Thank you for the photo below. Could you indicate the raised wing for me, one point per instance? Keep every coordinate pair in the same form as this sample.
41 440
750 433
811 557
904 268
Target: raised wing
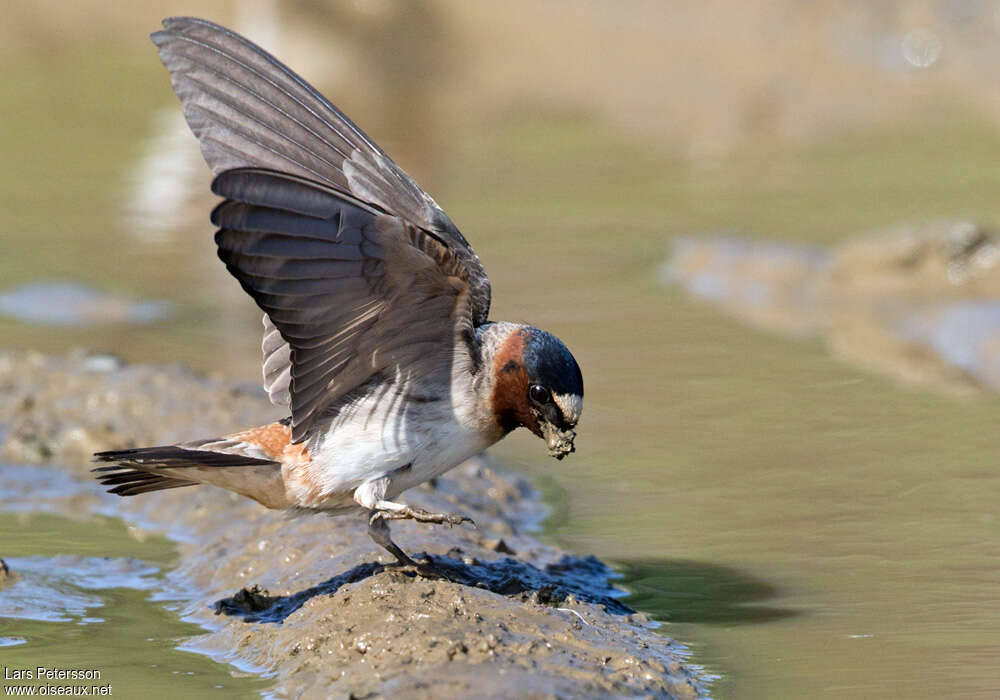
354 293
299 154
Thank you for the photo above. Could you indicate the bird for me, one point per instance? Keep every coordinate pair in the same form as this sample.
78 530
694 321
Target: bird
377 339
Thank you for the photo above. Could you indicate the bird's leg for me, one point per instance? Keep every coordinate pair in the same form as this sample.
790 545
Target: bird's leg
368 496
371 496
378 528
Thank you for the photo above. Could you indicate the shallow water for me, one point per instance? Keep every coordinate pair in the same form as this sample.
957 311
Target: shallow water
84 596
812 528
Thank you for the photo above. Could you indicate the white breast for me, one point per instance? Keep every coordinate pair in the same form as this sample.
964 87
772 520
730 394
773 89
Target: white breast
410 441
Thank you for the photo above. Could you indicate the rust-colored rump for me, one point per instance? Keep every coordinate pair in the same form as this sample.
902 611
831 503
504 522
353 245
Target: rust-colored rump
275 440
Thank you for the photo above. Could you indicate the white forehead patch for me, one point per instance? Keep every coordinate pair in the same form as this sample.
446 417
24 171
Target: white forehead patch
571 406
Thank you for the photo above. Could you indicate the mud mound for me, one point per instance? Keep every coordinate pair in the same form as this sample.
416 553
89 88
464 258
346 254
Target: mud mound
311 599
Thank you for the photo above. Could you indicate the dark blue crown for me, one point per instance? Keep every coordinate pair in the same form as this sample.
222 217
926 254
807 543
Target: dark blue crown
551 364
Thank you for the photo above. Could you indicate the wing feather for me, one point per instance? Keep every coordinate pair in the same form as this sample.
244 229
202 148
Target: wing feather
397 311
359 272
249 110
277 364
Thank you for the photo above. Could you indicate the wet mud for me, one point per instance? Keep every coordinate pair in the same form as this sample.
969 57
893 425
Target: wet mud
311 600
920 304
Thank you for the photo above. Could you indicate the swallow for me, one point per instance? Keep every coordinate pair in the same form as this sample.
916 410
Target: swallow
376 333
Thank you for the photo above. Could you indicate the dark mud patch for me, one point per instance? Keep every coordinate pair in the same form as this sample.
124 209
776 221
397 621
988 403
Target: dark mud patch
312 601
255 604
566 582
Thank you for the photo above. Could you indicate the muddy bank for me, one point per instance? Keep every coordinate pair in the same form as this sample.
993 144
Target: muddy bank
918 303
308 599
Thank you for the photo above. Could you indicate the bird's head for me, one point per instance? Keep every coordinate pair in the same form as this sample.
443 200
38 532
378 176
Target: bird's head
537 384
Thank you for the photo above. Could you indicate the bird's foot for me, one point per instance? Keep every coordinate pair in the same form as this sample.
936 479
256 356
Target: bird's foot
426 569
378 528
403 512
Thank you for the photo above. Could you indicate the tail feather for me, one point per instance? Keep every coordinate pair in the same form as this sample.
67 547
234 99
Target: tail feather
145 469
174 456
137 486
129 482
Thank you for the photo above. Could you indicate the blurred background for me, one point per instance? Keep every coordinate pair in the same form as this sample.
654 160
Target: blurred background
764 229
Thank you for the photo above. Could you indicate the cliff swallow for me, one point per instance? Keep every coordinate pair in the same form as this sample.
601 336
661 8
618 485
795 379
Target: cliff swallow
376 330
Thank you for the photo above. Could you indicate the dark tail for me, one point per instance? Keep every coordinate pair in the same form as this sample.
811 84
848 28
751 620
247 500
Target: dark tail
155 468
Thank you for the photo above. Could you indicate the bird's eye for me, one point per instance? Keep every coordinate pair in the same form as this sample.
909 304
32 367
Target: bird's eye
538 394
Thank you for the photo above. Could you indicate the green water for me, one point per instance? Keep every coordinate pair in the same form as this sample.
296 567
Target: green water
810 529
113 627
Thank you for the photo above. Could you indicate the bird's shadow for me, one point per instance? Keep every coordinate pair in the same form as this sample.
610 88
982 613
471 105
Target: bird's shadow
668 589
586 579
676 590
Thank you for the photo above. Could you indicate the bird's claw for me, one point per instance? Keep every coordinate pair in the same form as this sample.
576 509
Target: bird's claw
422 516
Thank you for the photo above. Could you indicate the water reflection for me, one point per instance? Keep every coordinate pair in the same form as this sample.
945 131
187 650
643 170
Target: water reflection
63 303
698 592
65 588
